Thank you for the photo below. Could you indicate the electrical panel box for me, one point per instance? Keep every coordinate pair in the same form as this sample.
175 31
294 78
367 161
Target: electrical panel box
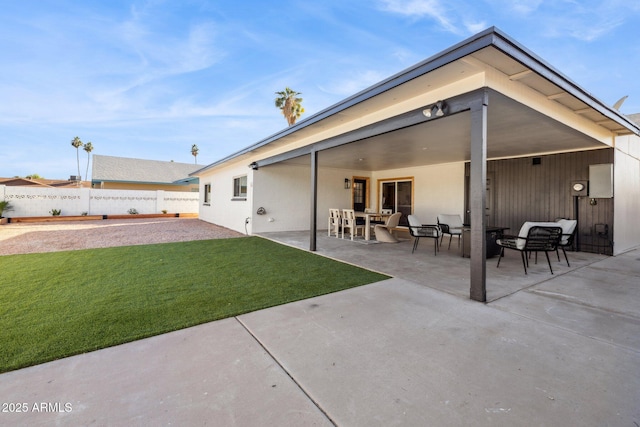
601 181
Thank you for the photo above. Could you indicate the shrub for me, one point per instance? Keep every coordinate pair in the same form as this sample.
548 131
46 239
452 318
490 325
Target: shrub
5 206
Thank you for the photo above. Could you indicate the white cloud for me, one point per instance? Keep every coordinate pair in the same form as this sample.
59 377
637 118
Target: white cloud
475 27
353 84
434 9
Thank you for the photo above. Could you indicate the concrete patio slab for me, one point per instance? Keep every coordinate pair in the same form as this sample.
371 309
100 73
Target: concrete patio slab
447 271
398 353
212 374
599 300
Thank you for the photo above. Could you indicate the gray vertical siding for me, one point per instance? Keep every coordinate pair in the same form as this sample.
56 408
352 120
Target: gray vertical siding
526 192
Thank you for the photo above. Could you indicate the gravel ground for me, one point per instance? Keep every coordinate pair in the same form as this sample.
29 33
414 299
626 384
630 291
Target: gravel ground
24 238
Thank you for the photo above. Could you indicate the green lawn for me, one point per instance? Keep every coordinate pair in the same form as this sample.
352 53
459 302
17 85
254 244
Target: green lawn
58 304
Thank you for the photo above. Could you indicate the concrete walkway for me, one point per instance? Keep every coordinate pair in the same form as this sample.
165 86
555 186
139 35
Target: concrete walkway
563 352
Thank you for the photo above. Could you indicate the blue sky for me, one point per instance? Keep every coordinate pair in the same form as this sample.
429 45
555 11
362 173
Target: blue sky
147 79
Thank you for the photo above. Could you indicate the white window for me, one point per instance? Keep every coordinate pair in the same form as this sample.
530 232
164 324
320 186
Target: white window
207 194
240 188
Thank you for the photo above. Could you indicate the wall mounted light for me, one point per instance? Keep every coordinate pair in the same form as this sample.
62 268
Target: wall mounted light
438 109
254 166
347 183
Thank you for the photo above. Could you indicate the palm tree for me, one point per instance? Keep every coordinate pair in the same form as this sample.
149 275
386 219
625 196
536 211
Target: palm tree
77 144
194 153
88 147
290 105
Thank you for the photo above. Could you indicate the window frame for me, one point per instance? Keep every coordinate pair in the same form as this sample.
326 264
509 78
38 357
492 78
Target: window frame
207 195
237 187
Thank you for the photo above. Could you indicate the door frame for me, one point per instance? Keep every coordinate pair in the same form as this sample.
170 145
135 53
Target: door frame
367 195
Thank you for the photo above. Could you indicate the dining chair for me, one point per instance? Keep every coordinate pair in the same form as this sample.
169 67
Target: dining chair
384 233
335 222
349 221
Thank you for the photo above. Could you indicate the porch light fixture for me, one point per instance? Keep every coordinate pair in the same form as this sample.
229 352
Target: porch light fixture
347 183
254 166
438 109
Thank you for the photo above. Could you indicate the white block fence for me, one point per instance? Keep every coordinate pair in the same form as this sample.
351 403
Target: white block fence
27 201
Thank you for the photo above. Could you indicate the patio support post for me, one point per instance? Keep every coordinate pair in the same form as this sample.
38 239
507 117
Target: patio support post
314 201
477 202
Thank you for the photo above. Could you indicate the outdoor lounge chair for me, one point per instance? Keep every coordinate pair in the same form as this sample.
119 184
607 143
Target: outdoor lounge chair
568 234
451 225
418 230
533 237
384 232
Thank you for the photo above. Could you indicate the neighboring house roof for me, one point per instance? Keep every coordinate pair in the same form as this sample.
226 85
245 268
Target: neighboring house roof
124 169
28 182
491 52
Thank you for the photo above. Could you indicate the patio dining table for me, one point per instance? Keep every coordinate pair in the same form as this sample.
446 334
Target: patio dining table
367 225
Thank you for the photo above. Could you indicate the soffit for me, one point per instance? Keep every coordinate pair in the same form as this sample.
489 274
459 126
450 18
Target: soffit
516 71
447 140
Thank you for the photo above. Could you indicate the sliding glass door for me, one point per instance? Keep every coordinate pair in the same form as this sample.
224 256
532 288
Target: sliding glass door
397 195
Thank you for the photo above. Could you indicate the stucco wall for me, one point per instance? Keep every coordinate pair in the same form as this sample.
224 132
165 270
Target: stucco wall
223 209
285 193
438 189
28 201
283 190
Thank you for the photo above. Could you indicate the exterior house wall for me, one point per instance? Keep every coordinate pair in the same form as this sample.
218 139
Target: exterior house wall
38 201
626 193
523 191
285 193
437 189
223 209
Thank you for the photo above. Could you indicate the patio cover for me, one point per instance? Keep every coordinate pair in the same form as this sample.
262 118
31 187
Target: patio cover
501 101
